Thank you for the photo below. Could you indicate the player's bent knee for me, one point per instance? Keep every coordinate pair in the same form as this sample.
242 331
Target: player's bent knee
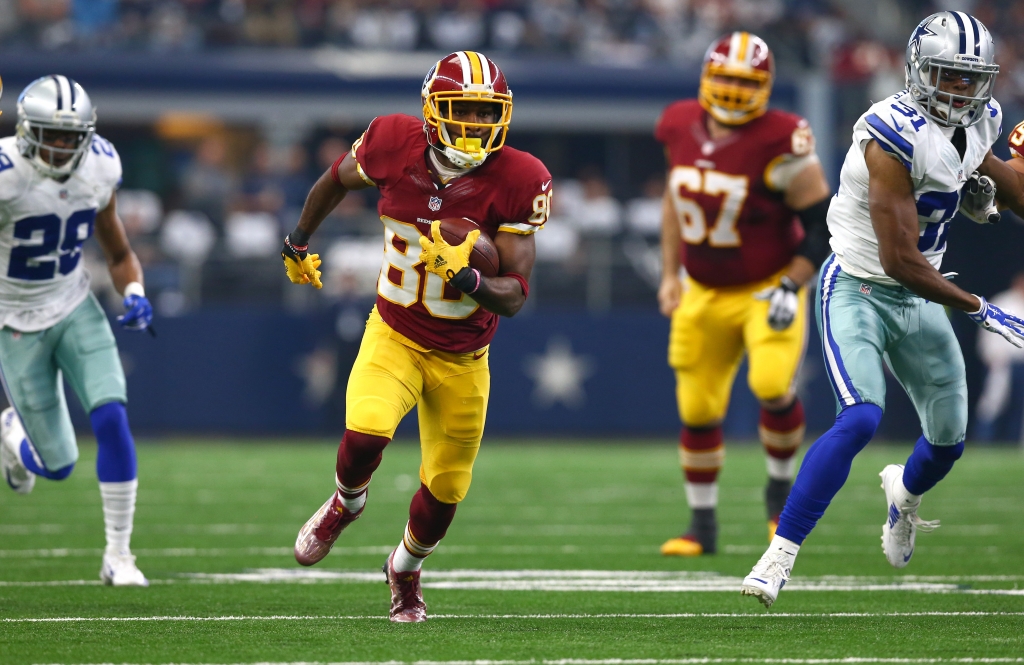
860 420
945 422
372 415
449 486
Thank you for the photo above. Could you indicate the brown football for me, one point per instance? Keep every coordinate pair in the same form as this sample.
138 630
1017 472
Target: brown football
485 255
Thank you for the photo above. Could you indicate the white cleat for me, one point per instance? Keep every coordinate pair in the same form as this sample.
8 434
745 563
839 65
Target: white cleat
120 570
769 575
902 523
12 434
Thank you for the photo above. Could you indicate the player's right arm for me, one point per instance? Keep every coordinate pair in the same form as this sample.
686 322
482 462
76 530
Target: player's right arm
894 219
671 289
329 190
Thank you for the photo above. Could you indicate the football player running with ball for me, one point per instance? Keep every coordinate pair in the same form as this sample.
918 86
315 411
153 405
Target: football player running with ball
744 213
881 296
57 183
426 340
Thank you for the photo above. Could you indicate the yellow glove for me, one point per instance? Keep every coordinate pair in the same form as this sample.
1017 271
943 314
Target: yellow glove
443 259
303 271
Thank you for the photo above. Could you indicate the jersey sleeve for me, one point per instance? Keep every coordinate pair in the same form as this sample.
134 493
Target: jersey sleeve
1016 140
791 152
381 150
530 203
108 168
10 182
664 129
893 129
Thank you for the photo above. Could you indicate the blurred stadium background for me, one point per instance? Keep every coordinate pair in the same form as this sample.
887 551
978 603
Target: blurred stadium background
226 111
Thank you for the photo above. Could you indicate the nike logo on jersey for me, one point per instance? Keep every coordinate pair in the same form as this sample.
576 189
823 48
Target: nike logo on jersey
478 356
899 128
545 186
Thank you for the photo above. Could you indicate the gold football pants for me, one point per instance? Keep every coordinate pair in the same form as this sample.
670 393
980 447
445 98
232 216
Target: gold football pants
711 328
392 374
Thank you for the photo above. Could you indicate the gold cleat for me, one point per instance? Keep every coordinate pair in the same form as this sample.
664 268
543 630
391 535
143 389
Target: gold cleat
773 525
681 546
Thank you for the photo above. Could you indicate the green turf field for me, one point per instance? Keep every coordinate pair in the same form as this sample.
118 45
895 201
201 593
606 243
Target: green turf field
216 523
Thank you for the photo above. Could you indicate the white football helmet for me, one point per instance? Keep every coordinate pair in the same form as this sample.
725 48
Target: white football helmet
54 103
957 44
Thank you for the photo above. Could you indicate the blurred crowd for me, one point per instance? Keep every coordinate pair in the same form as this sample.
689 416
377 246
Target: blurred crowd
862 42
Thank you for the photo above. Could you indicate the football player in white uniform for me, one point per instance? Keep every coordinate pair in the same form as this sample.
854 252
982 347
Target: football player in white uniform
881 296
57 183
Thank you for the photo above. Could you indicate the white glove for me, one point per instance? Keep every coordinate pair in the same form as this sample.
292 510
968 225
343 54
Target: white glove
995 320
978 200
783 302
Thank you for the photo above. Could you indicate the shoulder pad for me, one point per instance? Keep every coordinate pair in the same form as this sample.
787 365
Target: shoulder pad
105 162
12 169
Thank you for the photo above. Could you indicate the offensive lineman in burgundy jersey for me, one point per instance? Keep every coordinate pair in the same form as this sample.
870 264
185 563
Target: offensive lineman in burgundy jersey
426 339
744 214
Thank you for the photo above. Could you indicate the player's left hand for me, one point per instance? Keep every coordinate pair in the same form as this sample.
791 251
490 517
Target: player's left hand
995 320
301 268
783 303
443 259
978 201
138 314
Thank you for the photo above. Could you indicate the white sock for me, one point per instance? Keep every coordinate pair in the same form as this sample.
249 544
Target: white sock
787 546
781 469
904 499
353 504
404 561
118 514
701 495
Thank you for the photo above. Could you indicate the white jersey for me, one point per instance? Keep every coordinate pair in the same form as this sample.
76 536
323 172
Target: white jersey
43 224
938 173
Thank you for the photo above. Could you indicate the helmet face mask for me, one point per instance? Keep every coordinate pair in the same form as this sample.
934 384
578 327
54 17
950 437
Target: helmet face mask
951 68
736 81
56 123
453 94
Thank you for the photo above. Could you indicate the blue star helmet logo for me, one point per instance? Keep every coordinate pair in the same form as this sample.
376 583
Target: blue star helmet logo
922 30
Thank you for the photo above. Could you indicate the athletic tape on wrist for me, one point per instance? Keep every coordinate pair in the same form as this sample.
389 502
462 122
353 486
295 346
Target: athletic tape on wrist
134 289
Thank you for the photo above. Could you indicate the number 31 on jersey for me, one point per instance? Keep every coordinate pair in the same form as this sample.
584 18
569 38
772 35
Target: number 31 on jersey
686 181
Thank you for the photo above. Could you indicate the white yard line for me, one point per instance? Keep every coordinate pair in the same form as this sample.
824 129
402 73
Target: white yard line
492 617
624 581
659 661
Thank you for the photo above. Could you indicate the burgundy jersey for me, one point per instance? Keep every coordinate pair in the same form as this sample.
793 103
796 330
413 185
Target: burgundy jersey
510 192
728 193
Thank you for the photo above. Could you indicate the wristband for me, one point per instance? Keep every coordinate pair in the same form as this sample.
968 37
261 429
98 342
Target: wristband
299 239
134 289
466 280
522 282
788 284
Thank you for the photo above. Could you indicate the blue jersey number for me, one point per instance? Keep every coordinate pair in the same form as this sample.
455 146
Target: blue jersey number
910 112
934 236
77 230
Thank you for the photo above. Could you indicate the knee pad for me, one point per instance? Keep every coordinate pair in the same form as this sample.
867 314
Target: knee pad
449 486
115 457
372 415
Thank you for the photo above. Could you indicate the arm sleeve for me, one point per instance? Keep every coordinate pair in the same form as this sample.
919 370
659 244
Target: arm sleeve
815 246
382 148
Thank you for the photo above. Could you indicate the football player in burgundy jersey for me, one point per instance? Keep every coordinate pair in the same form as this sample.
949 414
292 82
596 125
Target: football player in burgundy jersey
744 214
426 339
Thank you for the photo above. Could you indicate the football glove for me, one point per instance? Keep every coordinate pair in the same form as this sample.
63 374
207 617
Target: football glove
443 259
300 266
978 201
783 302
138 313
995 320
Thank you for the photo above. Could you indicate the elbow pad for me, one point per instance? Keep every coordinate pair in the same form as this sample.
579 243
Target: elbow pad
815 246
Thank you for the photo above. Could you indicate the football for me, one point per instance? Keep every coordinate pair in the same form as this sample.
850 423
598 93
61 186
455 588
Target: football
485 255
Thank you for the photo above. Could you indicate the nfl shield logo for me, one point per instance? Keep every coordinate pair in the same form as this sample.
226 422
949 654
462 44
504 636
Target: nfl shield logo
434 203
865 289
